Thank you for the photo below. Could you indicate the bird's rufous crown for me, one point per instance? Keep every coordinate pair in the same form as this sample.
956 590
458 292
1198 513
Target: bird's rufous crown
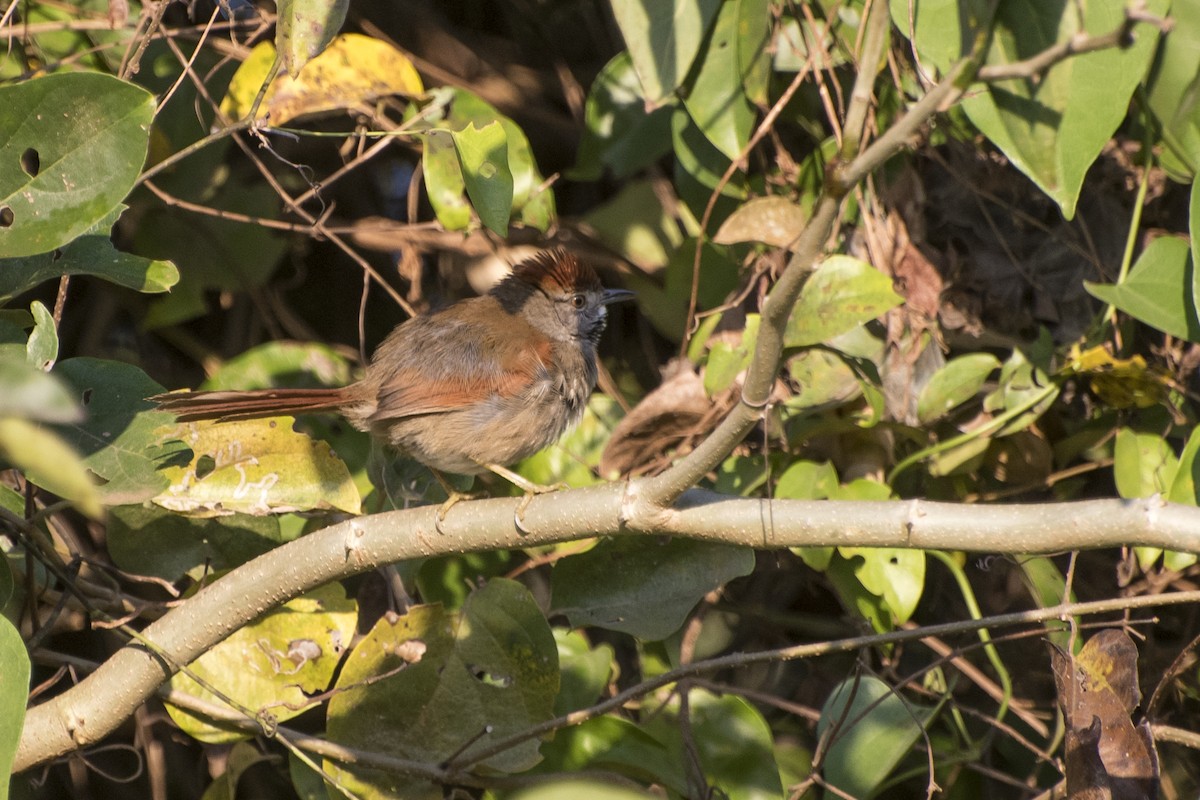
556 271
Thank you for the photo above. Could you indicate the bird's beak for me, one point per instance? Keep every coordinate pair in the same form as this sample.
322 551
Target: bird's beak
611 296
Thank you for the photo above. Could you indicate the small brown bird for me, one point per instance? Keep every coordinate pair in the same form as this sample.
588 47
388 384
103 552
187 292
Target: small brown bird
475 386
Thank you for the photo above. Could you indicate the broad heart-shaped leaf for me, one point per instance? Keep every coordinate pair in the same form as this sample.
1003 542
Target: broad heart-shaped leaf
352 71
716 100
1054 126
896 575
303 29
841 294
1143 464
663 37
256 466
872 729
146 540
71 147
273 663
483 157
643 588
14 695
118 438
579 788
425 685
49 462
954 384
619 132
1159 289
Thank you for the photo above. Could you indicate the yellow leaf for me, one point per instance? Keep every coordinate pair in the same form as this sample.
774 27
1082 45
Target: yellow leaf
351 72
259 466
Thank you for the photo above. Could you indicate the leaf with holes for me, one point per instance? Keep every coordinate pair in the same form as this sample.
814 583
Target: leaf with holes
271 665
71 148
119 437
430 685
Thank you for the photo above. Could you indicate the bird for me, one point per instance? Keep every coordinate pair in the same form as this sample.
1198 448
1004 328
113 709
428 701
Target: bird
475 386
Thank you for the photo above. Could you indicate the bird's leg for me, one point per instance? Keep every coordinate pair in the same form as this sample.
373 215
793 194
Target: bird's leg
530 488
453 496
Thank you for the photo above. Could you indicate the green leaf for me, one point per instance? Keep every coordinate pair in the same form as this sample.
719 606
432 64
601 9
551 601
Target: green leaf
32 394
255 466
807 480
716 101
444 181
91 254
701 160
71 148
753 51
1054 126
1174 94
14 695
1143 464
954 384
585 671
823 378
663 37
619 132
616 745
1185 480
942 30
643 588
273 664
728 359
304 28
896 575
841 294
424 685
483 156
873 729
731 740
145 540
49 462
1159 289
276 364
119 438
583 789
42 347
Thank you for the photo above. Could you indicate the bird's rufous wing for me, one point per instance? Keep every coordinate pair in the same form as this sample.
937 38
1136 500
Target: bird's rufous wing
487 360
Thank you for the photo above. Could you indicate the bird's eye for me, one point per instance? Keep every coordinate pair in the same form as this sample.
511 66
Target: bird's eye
578 300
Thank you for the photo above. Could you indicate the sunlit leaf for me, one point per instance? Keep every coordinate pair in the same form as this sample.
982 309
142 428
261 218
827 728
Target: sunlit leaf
49 462
257 466
663 37
14 696
1159 290
353 71
483 157
73 145
423 685
841 294
273 664
1054 125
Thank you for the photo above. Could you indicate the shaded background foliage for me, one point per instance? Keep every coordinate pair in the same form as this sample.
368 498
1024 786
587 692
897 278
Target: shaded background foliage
1000 377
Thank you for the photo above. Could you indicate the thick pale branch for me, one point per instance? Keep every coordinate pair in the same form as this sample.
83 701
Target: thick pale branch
96 706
